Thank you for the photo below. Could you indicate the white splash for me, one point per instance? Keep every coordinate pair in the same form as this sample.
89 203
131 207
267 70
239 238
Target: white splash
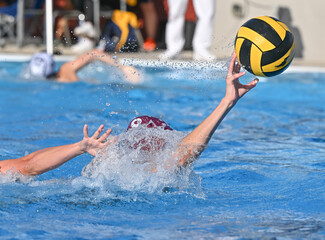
13 176
141 160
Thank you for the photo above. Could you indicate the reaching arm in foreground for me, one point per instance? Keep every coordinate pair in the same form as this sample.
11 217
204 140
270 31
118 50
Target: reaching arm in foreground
49 158
195 142
68 71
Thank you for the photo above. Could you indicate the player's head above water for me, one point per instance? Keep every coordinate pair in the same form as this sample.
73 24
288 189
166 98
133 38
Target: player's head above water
41 65
149 122
149 143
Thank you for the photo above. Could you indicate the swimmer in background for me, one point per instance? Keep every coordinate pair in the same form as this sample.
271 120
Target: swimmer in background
187 151
42 65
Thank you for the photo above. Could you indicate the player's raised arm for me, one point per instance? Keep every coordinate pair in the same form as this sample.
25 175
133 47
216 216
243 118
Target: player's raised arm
195 142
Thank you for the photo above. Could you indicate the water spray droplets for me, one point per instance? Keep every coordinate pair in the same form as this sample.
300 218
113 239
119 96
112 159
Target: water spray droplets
137 161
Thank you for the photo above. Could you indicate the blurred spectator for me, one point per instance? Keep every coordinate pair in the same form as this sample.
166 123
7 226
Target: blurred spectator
62 5
204 10
78 5
120 33
105 5
150 24
86 34
7 21
4 3
64 26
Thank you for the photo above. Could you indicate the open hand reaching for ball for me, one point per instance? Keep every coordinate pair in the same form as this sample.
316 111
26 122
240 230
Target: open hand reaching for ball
235 90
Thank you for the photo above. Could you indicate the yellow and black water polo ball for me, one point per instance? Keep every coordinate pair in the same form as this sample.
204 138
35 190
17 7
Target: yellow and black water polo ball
264 46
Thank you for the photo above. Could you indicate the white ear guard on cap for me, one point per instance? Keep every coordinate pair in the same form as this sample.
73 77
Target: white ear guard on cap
41 65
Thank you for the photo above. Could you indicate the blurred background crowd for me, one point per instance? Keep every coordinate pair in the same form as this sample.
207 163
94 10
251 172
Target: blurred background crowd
207 27
112 25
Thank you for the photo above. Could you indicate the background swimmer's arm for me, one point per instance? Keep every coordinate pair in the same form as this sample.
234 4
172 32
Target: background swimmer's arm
50 158
194 143
69 69
89 57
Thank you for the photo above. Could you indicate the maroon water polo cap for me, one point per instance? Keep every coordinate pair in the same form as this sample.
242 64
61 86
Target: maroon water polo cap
149 122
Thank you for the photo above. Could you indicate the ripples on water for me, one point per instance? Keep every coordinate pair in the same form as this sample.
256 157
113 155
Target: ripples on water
261 177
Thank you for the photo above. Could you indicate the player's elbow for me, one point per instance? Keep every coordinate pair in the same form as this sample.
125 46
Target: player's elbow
189 154
27 166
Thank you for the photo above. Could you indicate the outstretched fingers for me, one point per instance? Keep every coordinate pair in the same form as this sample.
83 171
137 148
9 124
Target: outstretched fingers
232 64
238 75
251 84
245 88
234 68
237 67
85 131
96 142
98 131
105 135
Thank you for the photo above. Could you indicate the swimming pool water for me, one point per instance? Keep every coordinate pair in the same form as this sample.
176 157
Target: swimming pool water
262 176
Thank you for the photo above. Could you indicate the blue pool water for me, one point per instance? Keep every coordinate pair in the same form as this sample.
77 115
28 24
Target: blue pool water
261 177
